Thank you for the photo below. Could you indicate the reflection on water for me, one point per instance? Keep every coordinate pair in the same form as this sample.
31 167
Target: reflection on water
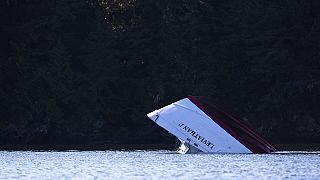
157 165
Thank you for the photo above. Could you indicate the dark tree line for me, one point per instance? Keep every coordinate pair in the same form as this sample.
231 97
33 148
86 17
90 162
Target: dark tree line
88 71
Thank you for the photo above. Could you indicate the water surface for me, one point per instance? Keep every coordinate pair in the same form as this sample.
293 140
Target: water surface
157 165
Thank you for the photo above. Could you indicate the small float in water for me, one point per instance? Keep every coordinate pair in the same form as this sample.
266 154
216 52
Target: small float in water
203 127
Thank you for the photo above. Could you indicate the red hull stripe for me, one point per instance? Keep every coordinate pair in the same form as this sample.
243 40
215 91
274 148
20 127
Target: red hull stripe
249 138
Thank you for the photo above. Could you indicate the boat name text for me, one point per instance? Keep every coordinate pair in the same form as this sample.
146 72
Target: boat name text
196 135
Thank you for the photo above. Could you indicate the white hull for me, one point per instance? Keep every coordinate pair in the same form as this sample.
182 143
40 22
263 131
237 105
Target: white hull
194 128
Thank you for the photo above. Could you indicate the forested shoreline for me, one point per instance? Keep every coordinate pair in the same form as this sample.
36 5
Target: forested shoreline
88 71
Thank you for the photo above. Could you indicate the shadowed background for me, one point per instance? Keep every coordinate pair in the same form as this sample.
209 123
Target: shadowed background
88 71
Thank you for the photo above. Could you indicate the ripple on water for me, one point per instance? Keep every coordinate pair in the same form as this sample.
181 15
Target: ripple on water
143 164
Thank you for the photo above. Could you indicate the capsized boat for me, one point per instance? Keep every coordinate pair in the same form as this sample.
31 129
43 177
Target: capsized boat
203 127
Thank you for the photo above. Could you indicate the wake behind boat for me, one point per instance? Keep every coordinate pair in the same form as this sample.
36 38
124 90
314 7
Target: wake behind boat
203 127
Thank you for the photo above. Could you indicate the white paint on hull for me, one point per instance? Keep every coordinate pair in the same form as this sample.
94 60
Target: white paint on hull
190 124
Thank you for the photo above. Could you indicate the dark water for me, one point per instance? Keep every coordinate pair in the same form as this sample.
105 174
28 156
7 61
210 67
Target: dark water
157 165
